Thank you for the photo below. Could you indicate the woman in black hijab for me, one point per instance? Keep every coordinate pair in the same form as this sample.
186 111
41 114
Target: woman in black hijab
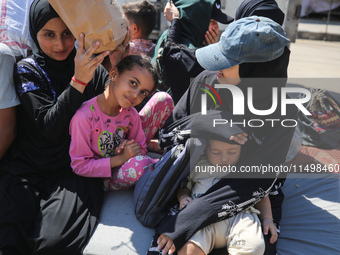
44 207
264 8
203 211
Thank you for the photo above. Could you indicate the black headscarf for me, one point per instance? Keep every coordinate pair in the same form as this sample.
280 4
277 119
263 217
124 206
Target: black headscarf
262 77
265 8
276 68
274 71
60 72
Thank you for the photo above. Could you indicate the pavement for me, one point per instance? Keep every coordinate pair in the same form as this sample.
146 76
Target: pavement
315 57
315 64
319 29
316 52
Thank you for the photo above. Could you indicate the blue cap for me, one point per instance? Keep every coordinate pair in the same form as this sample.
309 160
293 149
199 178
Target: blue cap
247 40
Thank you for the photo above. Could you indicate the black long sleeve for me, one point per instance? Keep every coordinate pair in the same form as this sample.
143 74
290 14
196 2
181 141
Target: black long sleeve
179 63
50 112
174 32
44 116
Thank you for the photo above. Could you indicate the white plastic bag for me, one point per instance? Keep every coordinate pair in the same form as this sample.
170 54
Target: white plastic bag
14 25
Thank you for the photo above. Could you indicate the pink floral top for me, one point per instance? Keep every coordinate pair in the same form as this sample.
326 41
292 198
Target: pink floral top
95 137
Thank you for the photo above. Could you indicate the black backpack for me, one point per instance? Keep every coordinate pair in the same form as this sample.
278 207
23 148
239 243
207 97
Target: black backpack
155 192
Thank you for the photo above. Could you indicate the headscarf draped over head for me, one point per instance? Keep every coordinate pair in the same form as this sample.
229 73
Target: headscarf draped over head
273 69
265 8
268 74
195 18
40 13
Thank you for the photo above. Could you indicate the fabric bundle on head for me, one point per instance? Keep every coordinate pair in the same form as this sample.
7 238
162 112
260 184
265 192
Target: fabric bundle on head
247 40
40 13
275 69
265 8
194 17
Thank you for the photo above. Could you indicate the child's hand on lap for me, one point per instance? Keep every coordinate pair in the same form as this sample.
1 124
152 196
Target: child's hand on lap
121 147
268 225
129 149
164 242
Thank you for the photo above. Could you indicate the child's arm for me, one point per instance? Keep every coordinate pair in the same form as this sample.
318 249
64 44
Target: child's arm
164 242
183 197
266 217
83 160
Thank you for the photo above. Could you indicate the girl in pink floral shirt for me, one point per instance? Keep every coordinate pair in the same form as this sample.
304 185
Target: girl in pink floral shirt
107 136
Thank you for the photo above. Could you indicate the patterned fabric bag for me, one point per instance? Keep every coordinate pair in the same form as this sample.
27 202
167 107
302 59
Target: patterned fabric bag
322 128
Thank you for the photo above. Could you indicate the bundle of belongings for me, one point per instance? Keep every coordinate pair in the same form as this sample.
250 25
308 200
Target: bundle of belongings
321 129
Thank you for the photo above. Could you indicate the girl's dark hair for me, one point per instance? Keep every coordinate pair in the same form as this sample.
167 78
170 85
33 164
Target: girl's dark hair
142 61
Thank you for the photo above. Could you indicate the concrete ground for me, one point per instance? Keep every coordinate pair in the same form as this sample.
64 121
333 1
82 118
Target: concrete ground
315 56
319 29
315 64
314 59
119 232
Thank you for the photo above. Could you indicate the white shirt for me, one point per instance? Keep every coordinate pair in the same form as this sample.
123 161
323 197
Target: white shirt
8 96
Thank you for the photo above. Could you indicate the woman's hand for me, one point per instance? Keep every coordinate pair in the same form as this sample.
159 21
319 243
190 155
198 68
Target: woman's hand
84 64
239 138
164 242
171 12
211 36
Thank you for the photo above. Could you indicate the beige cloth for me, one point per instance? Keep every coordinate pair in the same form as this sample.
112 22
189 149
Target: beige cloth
241 234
